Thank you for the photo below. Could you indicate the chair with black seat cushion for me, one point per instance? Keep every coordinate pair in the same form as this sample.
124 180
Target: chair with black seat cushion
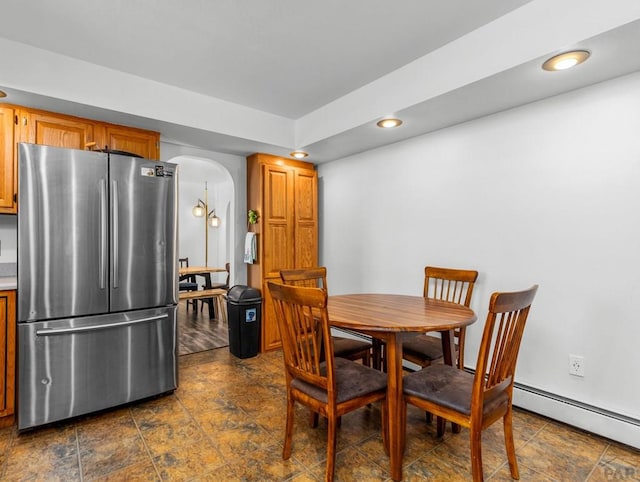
455 285
478 400
328 385
187 283
349 348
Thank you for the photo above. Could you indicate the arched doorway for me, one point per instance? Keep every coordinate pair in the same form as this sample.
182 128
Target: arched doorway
202 243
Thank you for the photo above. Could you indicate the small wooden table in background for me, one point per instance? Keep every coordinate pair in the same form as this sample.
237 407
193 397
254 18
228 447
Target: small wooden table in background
205 272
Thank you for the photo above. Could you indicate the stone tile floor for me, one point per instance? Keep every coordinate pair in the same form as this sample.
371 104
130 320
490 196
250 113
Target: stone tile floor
226 420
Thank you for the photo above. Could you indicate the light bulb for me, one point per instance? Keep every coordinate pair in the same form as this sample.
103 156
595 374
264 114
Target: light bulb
389 123
198 211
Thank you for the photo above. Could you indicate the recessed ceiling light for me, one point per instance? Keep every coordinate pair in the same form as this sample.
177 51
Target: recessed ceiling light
299 154
389 123
566 60
2 94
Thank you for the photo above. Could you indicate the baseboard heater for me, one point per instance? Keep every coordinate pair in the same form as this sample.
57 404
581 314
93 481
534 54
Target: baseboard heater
606 423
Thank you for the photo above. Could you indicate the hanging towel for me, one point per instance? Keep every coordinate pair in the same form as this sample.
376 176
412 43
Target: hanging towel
250 249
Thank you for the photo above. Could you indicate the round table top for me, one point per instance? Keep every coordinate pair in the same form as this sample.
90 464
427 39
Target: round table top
396 313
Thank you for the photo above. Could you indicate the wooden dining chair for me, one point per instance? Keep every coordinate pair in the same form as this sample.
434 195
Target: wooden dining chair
349 348
187 283
478 400
328 385
455 285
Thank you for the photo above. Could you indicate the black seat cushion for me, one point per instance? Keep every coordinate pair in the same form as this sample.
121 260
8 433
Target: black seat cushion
187 286
352 380
423 346
447 386
345 347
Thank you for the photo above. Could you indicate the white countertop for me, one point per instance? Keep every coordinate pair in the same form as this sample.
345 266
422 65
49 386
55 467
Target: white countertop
8 282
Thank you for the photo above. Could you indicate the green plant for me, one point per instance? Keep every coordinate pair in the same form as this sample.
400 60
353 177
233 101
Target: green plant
252 216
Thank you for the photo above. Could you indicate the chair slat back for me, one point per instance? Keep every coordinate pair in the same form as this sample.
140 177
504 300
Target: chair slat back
302 317
455 285
309 277
500 344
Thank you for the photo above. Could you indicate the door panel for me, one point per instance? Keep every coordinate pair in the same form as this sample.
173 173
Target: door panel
278 217
61 233
143 197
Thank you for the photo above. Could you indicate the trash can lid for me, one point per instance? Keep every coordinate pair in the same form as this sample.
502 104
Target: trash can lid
244 294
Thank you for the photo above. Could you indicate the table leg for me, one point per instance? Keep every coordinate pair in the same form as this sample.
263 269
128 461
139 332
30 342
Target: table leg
448 347
377 353
207 285
394 402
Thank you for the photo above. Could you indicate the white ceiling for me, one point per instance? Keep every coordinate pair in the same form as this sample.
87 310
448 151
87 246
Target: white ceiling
254 75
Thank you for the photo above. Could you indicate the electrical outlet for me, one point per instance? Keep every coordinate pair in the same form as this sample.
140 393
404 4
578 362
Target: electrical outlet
576 365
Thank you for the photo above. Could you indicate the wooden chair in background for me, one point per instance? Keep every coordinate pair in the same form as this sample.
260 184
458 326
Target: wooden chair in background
455 285
349 348
478 400
328 385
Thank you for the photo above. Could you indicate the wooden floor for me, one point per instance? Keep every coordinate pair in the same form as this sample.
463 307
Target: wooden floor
196 332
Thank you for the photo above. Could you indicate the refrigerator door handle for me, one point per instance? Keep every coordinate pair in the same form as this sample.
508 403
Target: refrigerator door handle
100 326
114 231
103 234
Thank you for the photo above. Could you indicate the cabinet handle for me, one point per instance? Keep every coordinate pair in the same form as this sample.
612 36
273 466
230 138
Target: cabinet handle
24 121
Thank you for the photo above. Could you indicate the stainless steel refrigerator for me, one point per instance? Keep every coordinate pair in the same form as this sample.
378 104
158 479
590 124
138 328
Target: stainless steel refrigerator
97 281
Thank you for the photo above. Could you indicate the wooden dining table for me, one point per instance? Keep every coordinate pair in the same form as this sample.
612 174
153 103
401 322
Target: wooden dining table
392 318
204 271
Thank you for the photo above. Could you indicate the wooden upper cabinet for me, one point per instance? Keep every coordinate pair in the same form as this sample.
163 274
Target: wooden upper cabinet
8 168
48 129
23 124
128 139
59 130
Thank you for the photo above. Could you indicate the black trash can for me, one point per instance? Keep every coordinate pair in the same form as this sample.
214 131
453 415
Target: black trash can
244 315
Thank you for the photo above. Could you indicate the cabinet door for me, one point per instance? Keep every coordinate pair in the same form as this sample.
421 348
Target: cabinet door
270 332
278 243
8 165
7 354
306 218
54 130
135 141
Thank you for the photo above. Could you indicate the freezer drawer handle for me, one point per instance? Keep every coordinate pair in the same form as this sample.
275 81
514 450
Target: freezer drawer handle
80 329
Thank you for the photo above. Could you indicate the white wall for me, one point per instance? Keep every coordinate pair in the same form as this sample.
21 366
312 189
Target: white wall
547 193
195 174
